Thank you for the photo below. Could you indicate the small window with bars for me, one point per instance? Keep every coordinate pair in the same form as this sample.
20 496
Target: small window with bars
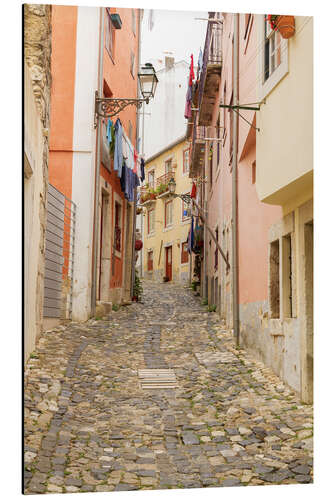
117 227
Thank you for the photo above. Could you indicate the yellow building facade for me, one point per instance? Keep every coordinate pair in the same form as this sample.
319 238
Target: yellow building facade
166 219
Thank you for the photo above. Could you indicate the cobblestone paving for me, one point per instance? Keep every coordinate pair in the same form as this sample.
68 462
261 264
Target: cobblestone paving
90 427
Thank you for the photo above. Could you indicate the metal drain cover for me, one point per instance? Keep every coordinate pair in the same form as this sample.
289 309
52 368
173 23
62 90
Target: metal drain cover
157 379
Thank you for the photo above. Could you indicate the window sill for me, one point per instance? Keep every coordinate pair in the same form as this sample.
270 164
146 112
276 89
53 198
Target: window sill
168 228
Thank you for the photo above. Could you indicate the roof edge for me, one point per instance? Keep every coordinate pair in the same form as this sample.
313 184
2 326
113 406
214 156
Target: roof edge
164 150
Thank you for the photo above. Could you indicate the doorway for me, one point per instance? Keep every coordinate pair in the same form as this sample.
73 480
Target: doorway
308 253
168 263
105 248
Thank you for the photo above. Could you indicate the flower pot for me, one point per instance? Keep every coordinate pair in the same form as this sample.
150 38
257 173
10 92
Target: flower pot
286 26
152 196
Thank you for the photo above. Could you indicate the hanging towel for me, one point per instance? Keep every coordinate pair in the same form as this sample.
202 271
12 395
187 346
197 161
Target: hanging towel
118 148
192 75
135 169
188 103
142 166
108 131
194 190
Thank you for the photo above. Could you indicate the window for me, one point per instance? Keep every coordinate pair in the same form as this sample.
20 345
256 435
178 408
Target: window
186 161
132 68
210 159
274 279
117 227
151 221
109 35
168 214
274 59
150 260
184 254
151 179
133 21
185 210
168 166
287 273
272 51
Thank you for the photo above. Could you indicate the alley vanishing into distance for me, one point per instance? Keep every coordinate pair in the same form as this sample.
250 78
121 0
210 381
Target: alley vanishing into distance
93 423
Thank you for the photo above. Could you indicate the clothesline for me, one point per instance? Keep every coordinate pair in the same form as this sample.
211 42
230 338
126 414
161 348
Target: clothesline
127 162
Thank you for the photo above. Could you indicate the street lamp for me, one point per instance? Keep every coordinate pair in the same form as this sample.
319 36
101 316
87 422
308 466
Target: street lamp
106 107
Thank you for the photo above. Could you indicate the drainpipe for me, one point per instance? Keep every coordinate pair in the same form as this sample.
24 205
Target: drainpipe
97 167
137 148
235 295
205 287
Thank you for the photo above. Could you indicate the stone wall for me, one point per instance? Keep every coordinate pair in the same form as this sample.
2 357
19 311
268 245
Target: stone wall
37 56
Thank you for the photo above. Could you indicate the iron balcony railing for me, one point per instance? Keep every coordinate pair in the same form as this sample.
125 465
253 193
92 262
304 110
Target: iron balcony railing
164 179
205 62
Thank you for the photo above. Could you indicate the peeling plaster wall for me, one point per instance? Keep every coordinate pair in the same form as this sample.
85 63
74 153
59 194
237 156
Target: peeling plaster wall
37 83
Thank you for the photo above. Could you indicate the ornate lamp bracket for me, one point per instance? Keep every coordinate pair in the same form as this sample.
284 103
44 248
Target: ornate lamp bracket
106 107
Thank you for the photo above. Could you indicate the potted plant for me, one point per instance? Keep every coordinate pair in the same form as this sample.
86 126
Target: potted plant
151 194
284 24
137 289
162 188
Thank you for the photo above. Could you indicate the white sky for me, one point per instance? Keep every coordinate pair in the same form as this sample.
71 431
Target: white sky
173 31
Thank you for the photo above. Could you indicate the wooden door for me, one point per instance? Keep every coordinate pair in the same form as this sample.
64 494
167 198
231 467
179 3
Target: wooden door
168 262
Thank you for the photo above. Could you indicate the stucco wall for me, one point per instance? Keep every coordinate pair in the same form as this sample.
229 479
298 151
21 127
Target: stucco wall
37 81
175 235
287 118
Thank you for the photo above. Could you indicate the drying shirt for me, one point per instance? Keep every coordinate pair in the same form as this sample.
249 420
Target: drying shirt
118 148
142 167
135 169
194 191
188 103
130 156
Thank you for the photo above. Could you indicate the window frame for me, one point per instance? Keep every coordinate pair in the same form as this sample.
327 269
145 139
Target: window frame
183 253
150 261
187 150
166 224
150 230
110 37
265 86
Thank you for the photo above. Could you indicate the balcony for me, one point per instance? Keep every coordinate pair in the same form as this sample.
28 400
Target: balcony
162 188
198 150
210 77
147 195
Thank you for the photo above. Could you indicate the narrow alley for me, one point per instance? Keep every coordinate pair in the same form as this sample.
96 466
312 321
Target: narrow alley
94 423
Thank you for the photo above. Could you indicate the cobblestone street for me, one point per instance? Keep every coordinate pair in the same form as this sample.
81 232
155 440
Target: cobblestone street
90 426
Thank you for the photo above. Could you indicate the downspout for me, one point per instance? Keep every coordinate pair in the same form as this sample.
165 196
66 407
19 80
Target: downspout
235 270
205 287
137 148
97 168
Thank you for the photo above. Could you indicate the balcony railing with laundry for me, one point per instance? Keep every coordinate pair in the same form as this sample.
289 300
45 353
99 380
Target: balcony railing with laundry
210 75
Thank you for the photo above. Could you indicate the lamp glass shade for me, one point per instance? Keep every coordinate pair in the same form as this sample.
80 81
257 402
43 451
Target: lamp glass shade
148 80
172 185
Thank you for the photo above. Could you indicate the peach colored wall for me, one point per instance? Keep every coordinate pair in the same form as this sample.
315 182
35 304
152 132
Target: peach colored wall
63 57
255 218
